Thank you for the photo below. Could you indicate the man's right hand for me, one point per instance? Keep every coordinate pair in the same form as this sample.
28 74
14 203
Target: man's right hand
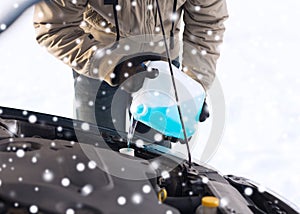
130 75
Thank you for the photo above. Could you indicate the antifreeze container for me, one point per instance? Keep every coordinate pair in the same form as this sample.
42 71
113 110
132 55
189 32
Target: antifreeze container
155 104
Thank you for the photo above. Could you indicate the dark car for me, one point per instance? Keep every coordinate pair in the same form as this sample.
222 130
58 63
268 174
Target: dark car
52 164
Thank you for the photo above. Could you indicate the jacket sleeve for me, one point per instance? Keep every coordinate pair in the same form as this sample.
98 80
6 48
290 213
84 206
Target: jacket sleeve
59 28
203 33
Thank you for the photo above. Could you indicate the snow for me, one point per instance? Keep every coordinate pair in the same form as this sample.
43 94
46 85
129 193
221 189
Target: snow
258 70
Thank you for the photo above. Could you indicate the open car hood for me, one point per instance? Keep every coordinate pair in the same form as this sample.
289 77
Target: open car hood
46 166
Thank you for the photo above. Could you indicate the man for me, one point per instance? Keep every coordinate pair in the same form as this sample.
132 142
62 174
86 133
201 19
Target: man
83 34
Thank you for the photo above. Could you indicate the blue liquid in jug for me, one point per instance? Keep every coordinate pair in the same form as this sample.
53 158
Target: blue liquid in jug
166 120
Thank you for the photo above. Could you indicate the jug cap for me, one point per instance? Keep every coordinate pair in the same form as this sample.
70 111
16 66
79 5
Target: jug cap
210 201
140 110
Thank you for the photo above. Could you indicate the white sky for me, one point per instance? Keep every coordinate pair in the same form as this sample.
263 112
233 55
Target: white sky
258 70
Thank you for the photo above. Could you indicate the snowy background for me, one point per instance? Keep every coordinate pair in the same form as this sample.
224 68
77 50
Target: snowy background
258 71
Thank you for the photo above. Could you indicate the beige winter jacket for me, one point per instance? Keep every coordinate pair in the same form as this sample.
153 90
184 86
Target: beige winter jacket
72 30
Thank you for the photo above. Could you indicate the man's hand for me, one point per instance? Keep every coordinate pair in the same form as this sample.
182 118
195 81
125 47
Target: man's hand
130 75
204 113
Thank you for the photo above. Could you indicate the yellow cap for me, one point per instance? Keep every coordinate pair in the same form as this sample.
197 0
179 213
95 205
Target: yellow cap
210 201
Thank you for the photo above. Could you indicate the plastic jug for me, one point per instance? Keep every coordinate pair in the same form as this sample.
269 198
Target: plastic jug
155 104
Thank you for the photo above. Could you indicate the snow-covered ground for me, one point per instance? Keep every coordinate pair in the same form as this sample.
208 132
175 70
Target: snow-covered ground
257 70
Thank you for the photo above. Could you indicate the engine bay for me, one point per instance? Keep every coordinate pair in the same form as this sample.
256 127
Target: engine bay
54 165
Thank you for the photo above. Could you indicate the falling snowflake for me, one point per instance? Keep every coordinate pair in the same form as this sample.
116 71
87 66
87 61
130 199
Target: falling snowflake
174 16
48 176
34 159
32 119
146 189
126 47
74 1
36 189
103 23
194 51
209 32
65 182
65 60
205 180
85 126
203 52
248 191
156 93
20 179
86 190
121 200
158 137
90 103
1 111
217 37
20 153
33 209
197 8
3 26
15 5
40 14
107 30
112 75
54 119
200 76
83 24
80 167
139 143
108 51
92 164
137 198
59 129
133 3
95 70
48 25
74 64
78 41
150 7
70 211
154 164
224 202
165 174
118 7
